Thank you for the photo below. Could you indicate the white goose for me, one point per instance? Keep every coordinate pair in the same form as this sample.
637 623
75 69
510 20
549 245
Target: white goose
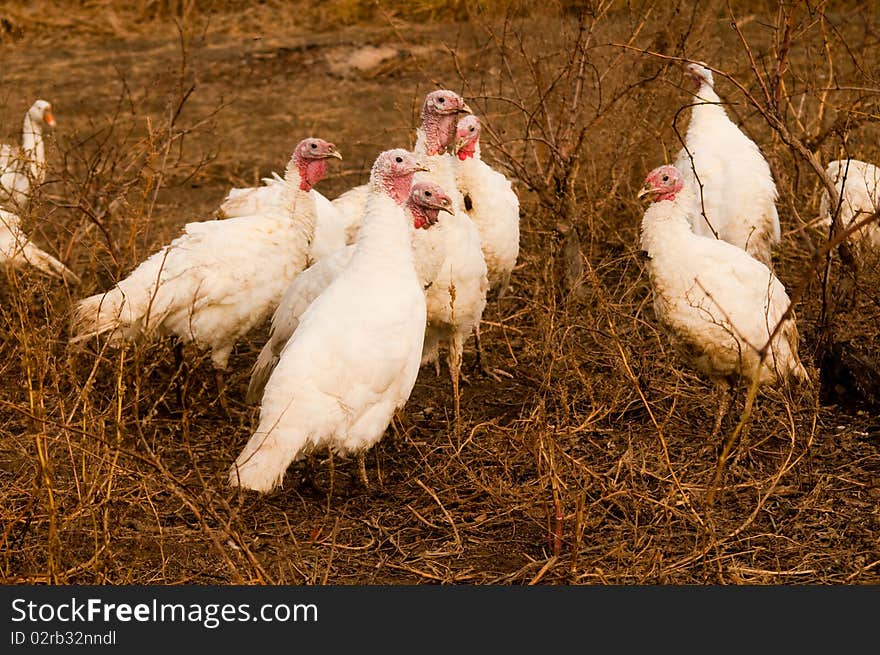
22 168
16 250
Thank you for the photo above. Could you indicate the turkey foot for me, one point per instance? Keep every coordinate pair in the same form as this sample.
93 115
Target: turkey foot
478 365
220 379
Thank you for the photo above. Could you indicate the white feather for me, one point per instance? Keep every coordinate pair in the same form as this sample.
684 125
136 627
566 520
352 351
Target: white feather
738 191
17 250
858 189
22 168
329 231
719 304
352 361
494 209
212 284
350 206
451 263
299 294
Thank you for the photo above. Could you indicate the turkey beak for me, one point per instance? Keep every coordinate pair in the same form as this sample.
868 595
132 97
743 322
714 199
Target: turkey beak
464 109
48 118
645 190
333 152
446 206
421 168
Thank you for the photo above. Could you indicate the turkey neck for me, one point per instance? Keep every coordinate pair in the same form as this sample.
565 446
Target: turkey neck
665 227
294 193
705 111
385 239
442 171
470 151
32 144
299 202
471 171
421 147
435 135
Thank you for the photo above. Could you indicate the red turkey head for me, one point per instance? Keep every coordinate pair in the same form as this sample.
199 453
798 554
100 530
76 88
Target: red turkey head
467 137
311 157
426 201
439 112
662 184
393 172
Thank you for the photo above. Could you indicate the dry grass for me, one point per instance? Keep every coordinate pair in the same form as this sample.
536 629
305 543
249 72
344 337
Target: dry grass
591 465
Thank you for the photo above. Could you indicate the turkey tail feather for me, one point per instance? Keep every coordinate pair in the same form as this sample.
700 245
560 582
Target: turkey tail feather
260 374
97 314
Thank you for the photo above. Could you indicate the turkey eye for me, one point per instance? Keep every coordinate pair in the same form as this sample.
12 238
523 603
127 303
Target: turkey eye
314 145
427 194
665 178
399 160
441 100
472 128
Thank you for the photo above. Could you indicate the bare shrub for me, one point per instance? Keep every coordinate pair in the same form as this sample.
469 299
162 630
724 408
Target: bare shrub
578 112
590 465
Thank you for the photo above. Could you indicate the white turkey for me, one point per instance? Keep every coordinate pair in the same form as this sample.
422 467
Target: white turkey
719 304
435 136
219 279
299 294
858 188
22 168
491 203
354 357
738 201
449 259
330 228
16 250
308 285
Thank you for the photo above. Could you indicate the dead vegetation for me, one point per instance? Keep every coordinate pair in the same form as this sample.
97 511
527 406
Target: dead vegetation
592 465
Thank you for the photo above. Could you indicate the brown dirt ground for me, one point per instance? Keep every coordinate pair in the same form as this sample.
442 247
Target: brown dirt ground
558 475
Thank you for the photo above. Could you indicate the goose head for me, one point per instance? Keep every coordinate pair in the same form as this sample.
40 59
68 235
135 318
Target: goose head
41 113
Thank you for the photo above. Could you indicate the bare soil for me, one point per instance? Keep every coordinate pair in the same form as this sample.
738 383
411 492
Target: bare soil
589 464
